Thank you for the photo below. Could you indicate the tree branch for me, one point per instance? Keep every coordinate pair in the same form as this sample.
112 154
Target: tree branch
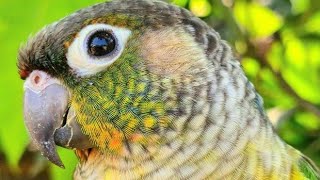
260 50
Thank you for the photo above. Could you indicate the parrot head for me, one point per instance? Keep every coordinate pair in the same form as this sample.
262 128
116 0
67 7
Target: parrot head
116 74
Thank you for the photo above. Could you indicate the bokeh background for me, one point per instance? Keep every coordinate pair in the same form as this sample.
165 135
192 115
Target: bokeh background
277 41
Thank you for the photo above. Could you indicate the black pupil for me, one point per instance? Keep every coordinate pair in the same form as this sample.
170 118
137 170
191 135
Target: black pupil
101 43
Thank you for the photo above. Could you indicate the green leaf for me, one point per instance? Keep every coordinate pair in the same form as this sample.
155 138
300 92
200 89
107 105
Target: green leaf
181 3
308 121
13 136
302 84
200 8
251 66
313 24
69 160
301 57
241 46
299 6
295 53
257 20
314 54
275 56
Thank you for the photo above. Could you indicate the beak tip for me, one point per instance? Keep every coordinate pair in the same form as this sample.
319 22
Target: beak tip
48 150
55 159
59 163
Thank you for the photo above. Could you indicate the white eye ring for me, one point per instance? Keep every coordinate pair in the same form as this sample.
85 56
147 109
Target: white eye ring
83 63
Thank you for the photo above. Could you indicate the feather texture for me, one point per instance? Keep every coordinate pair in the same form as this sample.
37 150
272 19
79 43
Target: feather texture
175 105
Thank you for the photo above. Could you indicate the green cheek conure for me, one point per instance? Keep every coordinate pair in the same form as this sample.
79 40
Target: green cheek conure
145 90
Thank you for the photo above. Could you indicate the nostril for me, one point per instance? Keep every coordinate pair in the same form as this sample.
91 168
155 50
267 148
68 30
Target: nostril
39 80
36 79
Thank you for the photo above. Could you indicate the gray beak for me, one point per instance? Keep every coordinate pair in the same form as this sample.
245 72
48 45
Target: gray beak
45 108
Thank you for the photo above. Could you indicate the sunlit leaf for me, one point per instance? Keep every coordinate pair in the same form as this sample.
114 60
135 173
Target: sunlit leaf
298 64
200 8
313 24
314 54
299 6
275 56
308 120
302 84
257 20
251 66
181 3
295 53
241 47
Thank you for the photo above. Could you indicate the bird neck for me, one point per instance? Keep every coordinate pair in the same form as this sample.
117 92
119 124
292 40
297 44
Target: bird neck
220 129
218 150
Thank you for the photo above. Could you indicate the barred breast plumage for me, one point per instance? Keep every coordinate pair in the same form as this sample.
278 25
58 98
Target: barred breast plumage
175 105
218 128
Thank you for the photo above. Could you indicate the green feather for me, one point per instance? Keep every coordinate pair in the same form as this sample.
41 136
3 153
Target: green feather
309 169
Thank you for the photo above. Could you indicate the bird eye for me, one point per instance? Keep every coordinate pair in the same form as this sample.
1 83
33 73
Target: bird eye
101 43
96 47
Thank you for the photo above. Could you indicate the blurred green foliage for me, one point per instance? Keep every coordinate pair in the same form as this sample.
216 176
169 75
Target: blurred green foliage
277 41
